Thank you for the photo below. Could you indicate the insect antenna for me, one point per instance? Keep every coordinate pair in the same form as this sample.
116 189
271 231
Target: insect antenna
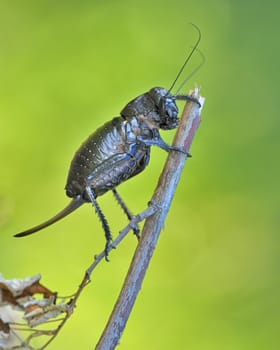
192 73
188 58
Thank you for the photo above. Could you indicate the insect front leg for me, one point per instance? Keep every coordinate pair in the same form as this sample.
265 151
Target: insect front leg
127 212
103 220
156 140
188 98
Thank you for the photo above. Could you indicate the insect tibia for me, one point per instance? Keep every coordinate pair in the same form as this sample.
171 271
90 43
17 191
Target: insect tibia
103 220
187 98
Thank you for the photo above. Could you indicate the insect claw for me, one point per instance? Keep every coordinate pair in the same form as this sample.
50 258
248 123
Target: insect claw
154 205
195 100
107 255
107 249
136 231
186 153
179 149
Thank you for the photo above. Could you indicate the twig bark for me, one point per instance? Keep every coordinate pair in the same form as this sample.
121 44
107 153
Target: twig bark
162 199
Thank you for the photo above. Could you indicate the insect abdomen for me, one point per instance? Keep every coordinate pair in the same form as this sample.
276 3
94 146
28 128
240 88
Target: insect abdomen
102 161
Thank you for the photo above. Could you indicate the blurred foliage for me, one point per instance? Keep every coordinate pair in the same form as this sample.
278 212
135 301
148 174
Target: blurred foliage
66 67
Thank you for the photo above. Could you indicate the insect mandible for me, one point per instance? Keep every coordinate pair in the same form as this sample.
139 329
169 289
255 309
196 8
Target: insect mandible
119 150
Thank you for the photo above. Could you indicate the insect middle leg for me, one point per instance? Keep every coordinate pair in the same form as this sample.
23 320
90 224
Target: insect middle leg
156 140
103 220
127 212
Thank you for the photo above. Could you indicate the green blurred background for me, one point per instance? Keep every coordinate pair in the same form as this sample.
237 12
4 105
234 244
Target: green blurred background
66 67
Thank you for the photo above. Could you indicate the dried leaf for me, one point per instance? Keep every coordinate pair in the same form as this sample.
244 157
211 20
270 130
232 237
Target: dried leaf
4 327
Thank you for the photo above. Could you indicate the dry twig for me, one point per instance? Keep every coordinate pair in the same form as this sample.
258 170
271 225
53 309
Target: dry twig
162 199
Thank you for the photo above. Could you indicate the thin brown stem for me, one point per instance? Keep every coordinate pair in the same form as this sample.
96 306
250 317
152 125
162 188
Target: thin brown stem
162 198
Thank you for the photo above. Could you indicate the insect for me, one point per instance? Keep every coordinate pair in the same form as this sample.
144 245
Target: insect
119 150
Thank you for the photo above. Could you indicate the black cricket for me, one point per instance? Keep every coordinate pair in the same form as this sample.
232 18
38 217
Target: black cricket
119 150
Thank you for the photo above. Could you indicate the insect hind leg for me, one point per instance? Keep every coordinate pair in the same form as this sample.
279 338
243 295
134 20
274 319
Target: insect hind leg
127 212
103 220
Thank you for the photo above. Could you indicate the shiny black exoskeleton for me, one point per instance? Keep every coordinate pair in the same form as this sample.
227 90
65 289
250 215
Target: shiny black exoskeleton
117 151
120 149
